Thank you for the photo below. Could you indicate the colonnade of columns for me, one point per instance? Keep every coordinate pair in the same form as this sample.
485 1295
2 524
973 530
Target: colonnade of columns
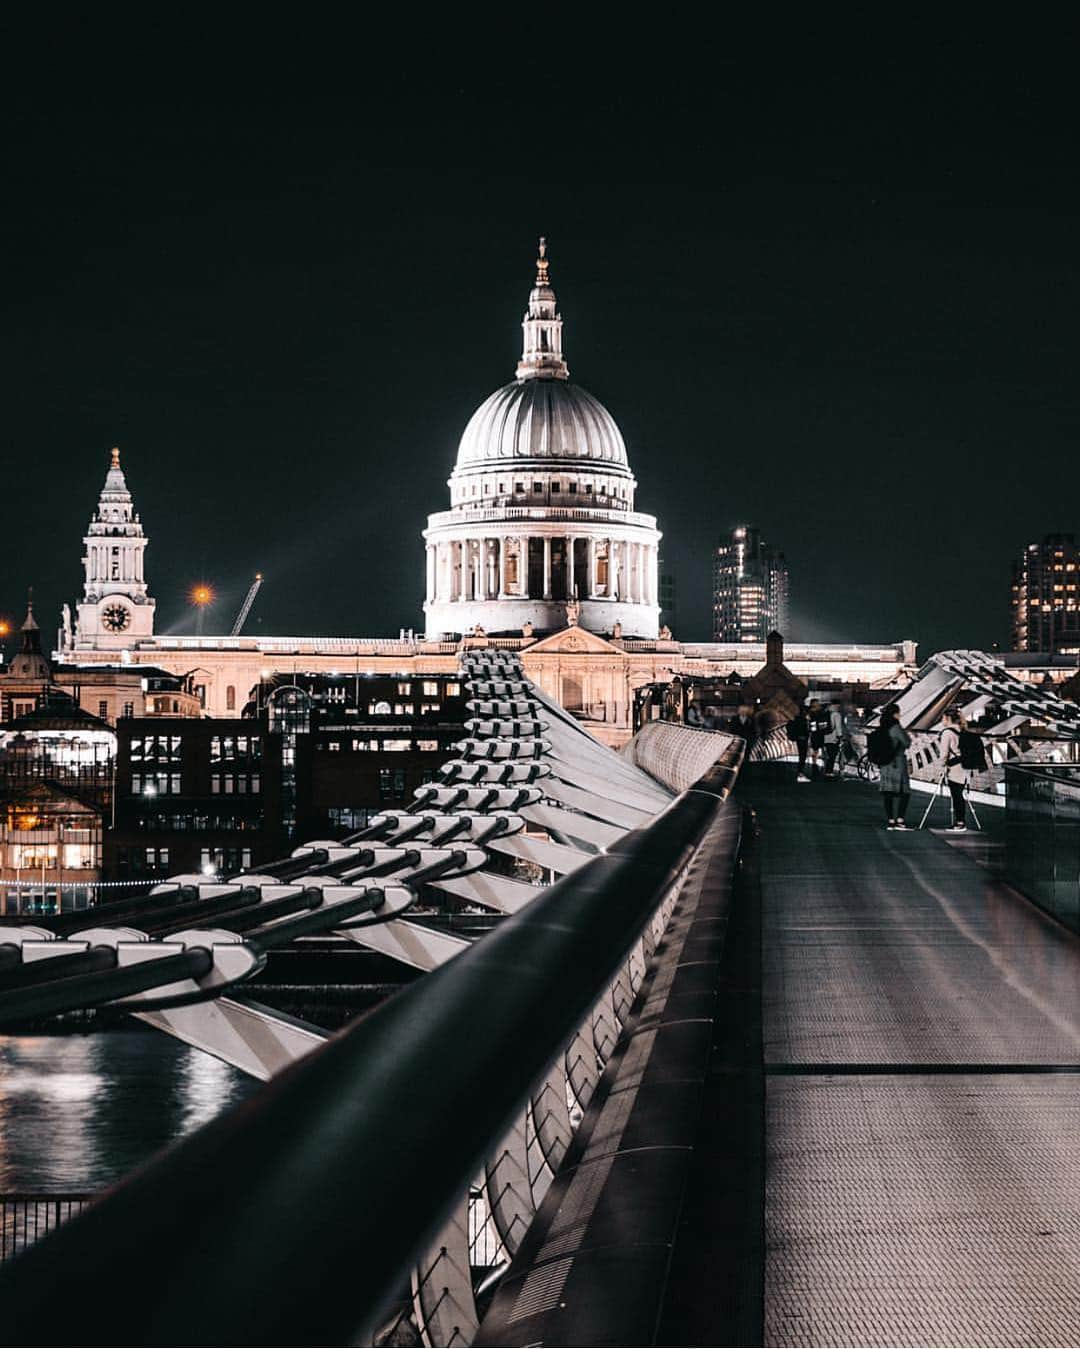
129 561
497 567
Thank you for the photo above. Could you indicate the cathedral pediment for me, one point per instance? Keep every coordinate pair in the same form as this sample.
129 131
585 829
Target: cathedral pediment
573 641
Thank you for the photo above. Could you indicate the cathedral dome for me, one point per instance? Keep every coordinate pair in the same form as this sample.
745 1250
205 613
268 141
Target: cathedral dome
541 419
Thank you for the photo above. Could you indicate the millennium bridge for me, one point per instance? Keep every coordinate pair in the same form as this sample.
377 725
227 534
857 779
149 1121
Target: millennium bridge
733 1065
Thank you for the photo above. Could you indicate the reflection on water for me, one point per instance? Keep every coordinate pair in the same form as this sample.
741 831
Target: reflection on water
79 1111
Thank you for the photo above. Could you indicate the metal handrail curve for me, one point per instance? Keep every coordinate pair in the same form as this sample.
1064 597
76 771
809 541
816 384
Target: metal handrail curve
295 1217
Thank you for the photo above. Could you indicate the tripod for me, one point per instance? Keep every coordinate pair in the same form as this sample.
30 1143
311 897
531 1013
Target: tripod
938 790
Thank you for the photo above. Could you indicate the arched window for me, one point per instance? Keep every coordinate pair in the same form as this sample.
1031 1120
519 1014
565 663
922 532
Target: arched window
230 698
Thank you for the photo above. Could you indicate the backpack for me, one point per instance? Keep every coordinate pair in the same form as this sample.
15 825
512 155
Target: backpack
881 747
972 754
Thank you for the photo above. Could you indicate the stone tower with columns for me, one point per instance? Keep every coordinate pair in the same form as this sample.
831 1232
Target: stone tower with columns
115 609
541 525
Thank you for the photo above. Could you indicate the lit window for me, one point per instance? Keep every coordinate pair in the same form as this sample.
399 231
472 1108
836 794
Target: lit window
431 688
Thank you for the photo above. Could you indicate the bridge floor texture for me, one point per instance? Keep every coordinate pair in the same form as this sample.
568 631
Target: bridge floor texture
922 1058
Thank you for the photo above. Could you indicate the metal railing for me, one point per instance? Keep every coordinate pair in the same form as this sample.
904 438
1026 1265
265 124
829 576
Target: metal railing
26 1218
1042 836
301 1216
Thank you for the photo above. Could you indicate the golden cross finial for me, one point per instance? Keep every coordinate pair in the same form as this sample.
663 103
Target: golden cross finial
115 457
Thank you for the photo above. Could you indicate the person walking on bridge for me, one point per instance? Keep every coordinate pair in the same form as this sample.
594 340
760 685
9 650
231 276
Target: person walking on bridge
818 717
834 738
744 726
798 729
895 782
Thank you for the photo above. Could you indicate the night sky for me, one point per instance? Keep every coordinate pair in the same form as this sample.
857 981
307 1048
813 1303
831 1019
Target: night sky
831 290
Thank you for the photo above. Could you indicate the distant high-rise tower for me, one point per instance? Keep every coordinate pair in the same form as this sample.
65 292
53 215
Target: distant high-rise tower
750 588
1046 596
669 598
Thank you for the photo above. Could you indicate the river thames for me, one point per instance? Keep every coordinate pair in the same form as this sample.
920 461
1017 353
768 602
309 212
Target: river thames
77 1112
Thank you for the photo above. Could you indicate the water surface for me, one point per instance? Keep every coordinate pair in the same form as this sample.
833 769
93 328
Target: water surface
77 1112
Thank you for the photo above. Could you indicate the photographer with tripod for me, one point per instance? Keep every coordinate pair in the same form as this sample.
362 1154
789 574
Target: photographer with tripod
962 754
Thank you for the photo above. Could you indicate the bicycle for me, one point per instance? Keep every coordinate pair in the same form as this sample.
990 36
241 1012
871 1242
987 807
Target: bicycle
847 757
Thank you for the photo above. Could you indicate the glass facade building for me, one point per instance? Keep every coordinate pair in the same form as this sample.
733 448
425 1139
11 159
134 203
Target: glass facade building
750 588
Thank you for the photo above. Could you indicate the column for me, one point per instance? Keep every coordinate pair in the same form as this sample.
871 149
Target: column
502 566
430 573
476 554
612 568
569 567
547 568
642 597
591 570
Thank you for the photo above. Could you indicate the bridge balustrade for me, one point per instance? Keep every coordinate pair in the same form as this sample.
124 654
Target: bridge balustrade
390 1175
1042 832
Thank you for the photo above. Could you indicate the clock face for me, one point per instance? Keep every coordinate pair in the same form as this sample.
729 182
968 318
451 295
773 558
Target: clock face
115 617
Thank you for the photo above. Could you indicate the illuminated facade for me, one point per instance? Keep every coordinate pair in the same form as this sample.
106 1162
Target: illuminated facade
541 551
542 530
750 588
1046 597
56 782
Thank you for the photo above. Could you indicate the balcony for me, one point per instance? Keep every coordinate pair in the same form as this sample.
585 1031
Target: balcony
468 515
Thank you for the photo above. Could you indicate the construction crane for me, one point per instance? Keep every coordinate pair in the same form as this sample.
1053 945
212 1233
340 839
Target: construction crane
245 608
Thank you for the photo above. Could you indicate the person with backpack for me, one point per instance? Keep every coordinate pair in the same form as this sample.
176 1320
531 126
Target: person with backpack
798 729
887 747
962 754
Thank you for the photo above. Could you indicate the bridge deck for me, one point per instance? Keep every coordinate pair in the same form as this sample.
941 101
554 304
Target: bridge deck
922 1052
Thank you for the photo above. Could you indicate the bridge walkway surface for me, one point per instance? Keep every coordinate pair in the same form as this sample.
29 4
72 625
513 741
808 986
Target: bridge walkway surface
921 1038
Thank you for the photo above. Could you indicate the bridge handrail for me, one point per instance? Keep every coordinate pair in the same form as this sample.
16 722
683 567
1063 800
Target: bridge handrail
295 1217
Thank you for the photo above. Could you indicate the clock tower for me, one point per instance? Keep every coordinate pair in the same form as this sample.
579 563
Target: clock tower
115 609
